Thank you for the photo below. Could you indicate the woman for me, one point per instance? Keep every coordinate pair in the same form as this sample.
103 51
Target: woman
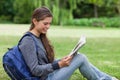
43 64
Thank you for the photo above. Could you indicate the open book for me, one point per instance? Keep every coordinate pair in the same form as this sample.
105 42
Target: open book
80 44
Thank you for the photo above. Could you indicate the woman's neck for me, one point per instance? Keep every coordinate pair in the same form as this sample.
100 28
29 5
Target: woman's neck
37 34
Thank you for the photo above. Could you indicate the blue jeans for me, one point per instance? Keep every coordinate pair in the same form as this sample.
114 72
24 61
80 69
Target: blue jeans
80 62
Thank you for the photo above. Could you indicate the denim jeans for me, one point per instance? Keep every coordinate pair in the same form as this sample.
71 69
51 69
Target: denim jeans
80 62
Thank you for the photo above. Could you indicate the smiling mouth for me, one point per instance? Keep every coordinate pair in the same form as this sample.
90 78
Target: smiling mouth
45 30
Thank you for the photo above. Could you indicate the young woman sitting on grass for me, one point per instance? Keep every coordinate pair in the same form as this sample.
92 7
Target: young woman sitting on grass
43 64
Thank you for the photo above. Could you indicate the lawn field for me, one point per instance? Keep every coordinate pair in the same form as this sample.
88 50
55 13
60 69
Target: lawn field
102 47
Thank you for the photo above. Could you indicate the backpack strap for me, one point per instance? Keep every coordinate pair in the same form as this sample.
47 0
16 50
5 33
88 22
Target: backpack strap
32 36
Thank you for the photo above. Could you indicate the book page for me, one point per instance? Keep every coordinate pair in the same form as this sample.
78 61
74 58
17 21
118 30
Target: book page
80 43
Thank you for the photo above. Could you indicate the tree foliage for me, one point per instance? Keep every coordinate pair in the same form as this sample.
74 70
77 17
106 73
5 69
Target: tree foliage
6 9
20 10
23 10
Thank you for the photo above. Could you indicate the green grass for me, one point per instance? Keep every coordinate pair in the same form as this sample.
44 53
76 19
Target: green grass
102 52
102 48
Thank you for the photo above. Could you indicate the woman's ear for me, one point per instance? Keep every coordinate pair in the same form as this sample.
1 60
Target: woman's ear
34 21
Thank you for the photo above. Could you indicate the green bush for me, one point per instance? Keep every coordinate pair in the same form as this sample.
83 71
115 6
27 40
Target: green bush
96 22
22 20
5 19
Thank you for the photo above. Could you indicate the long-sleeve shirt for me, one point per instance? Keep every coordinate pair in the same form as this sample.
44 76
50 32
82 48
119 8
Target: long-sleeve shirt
36 61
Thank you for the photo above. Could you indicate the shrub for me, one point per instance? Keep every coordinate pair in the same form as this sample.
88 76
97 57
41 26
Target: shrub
96 22
5 19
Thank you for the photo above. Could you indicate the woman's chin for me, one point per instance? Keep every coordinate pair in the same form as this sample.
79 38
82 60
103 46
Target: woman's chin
44 32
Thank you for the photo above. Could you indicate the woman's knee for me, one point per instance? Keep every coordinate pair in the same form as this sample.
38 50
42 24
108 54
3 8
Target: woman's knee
81 56
79 59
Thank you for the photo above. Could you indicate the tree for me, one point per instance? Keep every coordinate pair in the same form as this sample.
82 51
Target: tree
23 11
63 10
6 9
96 3
118 6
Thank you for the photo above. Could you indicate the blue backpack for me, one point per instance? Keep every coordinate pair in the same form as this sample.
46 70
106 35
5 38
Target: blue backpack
14 64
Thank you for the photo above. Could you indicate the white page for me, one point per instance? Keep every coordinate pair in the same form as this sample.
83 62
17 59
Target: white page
81 43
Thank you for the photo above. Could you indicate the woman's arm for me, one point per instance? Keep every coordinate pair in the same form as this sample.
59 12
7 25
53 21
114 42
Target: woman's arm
28 50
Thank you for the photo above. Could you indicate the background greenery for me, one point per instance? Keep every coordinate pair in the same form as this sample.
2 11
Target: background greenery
102 47
64 11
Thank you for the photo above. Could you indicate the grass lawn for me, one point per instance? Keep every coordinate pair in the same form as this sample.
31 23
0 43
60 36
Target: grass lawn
102 47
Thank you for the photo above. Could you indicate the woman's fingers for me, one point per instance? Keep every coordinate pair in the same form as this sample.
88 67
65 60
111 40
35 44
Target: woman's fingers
65 61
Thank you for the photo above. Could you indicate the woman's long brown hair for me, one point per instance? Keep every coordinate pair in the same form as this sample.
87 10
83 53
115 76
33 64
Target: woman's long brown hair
41 14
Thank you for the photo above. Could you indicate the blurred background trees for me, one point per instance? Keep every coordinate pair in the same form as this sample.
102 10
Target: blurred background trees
65 12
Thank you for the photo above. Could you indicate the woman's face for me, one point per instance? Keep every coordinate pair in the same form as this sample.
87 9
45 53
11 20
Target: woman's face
43 25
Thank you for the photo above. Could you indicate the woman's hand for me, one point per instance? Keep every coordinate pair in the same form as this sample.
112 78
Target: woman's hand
65 61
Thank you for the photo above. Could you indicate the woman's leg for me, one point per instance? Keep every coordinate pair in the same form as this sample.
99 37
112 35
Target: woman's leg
79 61
102 75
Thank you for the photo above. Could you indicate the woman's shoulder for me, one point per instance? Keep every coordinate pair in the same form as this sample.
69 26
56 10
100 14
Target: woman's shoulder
27 41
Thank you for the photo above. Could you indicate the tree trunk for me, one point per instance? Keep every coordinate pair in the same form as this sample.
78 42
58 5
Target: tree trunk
118 7
95 11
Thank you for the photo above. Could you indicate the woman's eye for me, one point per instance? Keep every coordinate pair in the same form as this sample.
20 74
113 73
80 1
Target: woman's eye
45 23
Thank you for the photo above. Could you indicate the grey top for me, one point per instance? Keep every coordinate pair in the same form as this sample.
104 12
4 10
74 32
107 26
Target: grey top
37 62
